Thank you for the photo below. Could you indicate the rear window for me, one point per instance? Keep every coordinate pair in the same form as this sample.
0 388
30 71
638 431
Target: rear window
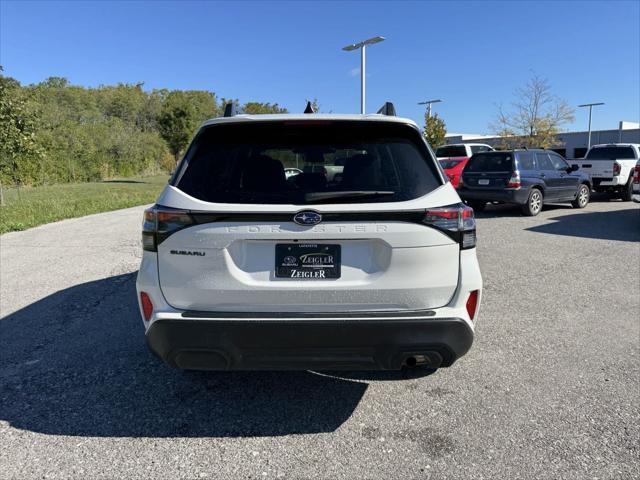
480 148
325 162
451 151
446 164
490 162
610 153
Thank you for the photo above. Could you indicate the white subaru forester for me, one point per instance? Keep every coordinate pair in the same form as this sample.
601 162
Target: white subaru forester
363 259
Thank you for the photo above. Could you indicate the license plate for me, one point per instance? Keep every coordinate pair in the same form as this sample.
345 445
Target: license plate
307 261
483 182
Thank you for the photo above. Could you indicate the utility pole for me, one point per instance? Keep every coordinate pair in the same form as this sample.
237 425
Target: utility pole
363 47
428 103
590 105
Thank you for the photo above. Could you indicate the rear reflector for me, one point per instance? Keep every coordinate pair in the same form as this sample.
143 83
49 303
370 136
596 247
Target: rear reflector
472 304
147 306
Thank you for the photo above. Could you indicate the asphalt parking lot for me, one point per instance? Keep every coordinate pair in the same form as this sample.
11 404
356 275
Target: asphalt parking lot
551 387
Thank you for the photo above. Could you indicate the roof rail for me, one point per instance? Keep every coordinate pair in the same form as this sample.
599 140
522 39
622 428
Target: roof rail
309 108
230 110
387 109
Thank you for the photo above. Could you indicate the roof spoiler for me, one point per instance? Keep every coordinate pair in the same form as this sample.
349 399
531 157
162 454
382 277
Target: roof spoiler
230 110
388 109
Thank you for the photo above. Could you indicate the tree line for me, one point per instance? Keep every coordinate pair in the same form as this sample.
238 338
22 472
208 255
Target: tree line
55 132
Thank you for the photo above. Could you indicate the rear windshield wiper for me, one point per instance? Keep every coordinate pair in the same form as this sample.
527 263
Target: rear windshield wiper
319 196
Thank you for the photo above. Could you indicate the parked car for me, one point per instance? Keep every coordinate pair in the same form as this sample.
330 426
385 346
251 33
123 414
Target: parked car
528 178
635 196
245 270
291 172
460 150
453 158
611 167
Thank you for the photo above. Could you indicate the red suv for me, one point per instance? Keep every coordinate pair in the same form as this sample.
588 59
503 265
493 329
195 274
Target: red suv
453 158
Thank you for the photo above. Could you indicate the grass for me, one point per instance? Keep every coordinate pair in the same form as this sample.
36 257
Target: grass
28 207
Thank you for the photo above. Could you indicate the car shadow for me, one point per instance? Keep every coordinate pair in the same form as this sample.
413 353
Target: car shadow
75 363
620 225
508 210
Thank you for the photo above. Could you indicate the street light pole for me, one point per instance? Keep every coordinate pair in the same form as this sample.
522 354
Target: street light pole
363 46
363 68
590 105
428 103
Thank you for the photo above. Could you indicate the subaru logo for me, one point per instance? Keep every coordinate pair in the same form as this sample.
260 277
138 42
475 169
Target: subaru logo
307 218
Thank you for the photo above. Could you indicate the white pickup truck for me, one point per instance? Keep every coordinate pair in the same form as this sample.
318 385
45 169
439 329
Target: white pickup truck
636 183
611 167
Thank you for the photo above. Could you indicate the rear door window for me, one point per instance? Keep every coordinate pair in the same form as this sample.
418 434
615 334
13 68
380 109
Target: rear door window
339 161
611 153
451 151
490 162
544 162
525 161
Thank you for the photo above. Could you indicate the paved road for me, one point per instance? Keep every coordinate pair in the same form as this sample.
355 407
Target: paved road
550 389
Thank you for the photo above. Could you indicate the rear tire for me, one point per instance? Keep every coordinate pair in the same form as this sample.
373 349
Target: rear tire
582 199
627 191
534 203
478 206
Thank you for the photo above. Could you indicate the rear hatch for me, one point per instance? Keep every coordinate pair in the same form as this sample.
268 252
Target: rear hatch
599 162
488 171
248 239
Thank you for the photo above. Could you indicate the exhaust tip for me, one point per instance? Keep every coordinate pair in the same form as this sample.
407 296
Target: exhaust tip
411 362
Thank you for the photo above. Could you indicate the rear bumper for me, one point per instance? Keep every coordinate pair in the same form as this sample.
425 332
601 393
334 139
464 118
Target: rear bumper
608 182
519 196
384 341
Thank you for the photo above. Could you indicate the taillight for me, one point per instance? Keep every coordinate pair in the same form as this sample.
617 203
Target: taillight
160 222
636 174
472 304
147 306
457 221
616 168
514 181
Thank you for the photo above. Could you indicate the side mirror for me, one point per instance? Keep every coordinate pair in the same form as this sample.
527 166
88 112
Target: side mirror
574 167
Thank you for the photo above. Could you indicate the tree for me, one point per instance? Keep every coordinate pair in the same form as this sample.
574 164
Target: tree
434 129
253 108
536 116
177 121
18 150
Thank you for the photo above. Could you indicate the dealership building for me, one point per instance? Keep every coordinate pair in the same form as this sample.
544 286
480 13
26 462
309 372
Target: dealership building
570 144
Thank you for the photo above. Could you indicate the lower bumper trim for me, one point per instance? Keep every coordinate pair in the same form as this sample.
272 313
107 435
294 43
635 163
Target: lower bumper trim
323 344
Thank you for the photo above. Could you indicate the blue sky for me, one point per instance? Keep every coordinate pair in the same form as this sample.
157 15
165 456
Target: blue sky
472 55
